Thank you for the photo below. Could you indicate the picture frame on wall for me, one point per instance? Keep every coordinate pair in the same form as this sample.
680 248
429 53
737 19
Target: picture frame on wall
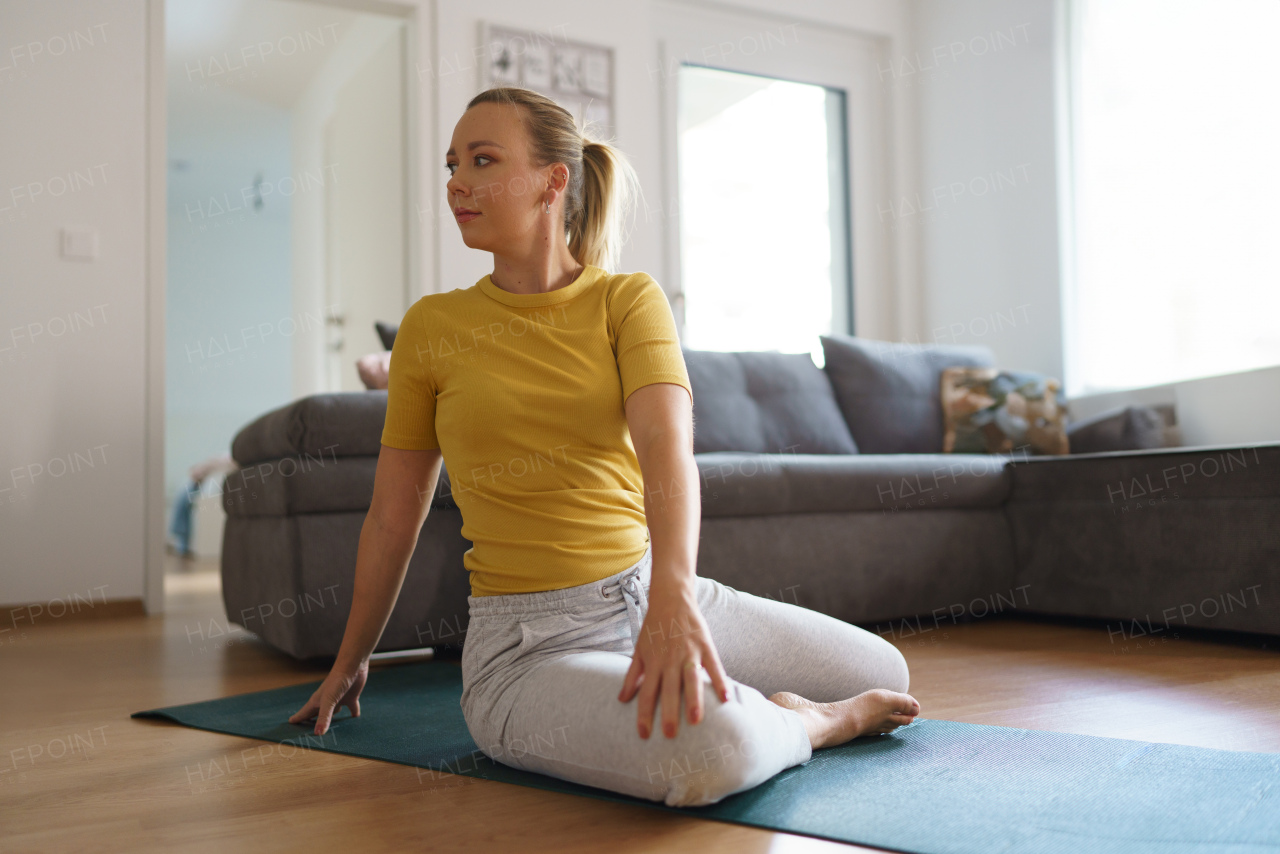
576 75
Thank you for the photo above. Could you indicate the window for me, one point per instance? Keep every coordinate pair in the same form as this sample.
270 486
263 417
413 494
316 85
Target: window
1175 134
764 227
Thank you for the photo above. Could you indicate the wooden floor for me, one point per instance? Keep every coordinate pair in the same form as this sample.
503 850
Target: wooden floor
77 774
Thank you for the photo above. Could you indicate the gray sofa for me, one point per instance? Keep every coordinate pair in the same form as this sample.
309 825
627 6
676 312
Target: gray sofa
823 487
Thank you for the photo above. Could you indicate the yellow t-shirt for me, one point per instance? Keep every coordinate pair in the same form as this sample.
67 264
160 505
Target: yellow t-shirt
523 394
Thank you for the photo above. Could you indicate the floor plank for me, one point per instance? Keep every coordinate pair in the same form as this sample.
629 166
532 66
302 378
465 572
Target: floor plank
76 773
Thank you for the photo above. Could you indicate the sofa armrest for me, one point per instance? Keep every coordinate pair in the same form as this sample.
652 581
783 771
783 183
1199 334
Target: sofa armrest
337 424
293 486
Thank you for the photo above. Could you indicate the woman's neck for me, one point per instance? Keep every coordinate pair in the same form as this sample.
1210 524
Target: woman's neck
538 277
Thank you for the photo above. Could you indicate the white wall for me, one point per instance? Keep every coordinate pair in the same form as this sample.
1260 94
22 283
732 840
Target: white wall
72 387
987 214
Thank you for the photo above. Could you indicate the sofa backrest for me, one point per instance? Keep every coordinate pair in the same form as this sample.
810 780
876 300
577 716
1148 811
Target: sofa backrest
333 424
764 402
890 393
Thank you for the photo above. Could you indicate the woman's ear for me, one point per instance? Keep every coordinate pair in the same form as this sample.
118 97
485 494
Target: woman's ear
559 177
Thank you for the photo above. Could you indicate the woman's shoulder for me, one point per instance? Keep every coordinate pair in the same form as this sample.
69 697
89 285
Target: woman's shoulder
630 287
635 298
443 298
425 316
638 278
436 304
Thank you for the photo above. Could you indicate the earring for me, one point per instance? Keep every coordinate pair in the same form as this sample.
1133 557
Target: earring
548 208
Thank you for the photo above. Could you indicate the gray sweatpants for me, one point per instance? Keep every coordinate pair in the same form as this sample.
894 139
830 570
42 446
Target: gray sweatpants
541 674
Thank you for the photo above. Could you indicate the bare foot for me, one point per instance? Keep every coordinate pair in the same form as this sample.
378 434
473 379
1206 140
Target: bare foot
873 712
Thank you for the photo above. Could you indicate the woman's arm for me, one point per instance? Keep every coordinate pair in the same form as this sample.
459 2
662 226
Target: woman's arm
674 640
403 486
402 490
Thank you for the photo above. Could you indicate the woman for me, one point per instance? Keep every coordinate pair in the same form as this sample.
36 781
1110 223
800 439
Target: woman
558 391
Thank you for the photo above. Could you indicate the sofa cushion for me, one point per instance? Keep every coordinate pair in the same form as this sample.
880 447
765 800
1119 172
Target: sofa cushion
1128 428
295 485
344 424
764 402
890 393
738 484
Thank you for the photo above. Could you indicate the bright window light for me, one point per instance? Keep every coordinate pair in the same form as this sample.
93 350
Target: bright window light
762 200
1177 168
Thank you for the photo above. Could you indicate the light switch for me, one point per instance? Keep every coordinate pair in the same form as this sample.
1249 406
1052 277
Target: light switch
79 244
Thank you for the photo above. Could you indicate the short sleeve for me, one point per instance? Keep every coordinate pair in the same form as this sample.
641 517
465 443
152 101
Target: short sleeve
411 389
648 348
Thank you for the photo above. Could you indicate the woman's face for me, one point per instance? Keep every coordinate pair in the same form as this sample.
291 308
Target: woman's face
494 192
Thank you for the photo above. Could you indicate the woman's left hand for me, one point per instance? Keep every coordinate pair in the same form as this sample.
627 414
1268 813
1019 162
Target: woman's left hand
674 643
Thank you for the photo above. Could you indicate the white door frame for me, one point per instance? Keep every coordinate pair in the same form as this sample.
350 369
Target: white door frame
777 46
421 253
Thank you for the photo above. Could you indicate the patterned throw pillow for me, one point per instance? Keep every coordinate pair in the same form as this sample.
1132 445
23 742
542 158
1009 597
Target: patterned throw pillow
991 411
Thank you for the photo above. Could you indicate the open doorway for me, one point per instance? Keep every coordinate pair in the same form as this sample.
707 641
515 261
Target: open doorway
287 226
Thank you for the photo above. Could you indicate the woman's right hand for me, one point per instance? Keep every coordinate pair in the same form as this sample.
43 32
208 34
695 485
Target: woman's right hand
340 688
402 488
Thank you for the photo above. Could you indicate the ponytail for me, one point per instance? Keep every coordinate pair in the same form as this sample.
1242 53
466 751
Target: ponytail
609 189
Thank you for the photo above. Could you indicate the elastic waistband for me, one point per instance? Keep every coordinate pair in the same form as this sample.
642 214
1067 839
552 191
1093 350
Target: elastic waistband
564 599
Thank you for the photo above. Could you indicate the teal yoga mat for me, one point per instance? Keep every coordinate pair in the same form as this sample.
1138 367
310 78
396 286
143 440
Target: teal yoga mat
934 787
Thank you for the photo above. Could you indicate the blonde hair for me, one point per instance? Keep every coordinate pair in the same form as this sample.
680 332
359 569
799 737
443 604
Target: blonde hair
602 184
